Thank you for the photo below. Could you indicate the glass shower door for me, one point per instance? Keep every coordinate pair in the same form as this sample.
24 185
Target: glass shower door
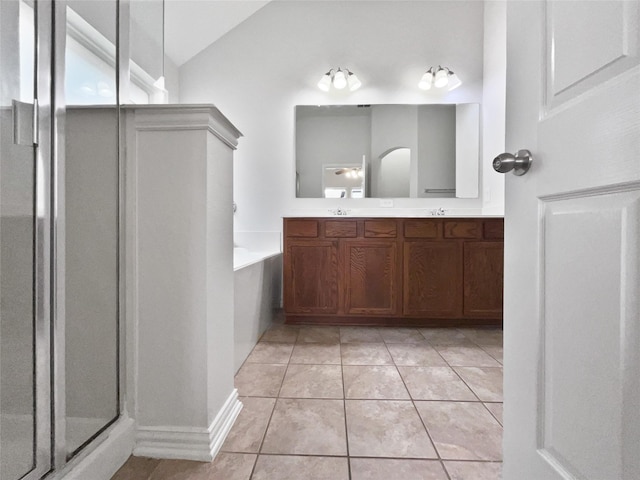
25 441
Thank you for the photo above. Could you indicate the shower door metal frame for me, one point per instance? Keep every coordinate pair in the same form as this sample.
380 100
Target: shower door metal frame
42 242
62 462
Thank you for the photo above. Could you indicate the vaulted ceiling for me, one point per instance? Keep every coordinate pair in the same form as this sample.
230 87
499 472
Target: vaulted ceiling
193 25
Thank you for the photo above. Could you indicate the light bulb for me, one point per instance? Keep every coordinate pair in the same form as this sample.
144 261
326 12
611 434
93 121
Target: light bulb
454 81
426 80
339 80
441 78
353 81
360 173
325 82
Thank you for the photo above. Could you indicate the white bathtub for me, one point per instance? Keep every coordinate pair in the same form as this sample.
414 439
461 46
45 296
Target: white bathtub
257 292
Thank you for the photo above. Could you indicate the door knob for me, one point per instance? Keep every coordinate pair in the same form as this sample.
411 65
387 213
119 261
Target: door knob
519 163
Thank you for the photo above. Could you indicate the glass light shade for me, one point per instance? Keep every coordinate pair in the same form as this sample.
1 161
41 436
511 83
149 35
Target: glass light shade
441 78
454 81
354 82
339 80
325 82
426 81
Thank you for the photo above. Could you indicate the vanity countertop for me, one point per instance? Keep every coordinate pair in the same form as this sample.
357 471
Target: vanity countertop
339 212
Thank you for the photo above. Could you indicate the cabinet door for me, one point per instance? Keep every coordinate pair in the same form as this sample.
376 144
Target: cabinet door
483 267
371 277
311 277
432 279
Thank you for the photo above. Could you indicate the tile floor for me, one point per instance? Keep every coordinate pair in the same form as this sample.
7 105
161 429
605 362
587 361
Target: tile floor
360 403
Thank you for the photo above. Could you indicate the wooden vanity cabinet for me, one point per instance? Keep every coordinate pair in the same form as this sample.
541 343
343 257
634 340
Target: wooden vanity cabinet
393 271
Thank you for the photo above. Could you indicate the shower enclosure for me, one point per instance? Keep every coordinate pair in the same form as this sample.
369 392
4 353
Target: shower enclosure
60 259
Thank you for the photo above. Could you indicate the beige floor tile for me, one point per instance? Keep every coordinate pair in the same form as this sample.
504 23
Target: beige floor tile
319 335
313 381
444 336
495 352
280 467
393 468
497 411
268 352
400 335
226 466
316 353
417 355
466 356
386 428
462 431
136 468
486 382
374 382
360 335
248 430
281 334
474 470
484 336
259 380
307 427
365 354
435 383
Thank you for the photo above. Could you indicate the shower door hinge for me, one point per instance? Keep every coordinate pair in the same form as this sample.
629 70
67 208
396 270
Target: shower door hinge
25 123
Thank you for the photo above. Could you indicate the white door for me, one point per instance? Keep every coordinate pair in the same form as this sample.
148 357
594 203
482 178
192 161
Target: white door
572 252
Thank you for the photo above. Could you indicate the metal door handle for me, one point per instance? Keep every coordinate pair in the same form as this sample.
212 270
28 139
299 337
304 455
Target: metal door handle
519 163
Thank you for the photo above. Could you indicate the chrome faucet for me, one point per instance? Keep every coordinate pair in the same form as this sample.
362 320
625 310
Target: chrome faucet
439 212
339 211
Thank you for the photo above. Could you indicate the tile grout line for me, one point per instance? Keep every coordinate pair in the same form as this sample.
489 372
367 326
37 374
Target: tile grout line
275 404
344 405
435 449
467 385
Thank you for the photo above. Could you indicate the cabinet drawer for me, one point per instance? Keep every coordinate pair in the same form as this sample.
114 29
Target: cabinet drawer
337 229
302 228
421 229
380 228
461 229
494 230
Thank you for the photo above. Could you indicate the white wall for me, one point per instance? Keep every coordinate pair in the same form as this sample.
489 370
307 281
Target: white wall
259 71
494 103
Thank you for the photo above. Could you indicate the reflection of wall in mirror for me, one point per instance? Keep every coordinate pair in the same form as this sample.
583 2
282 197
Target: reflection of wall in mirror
343 136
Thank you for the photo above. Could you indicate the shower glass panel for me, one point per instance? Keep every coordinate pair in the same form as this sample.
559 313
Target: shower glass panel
92 212
17 233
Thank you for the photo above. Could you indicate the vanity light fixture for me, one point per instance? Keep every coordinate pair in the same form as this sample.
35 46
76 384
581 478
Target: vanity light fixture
440 78
339 79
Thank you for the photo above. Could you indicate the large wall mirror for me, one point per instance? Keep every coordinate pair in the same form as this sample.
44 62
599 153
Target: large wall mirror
387 151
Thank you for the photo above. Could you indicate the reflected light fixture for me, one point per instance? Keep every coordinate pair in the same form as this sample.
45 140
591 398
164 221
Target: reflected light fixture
439 78
339 79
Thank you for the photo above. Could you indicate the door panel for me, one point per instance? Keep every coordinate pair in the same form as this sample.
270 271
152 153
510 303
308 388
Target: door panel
25 430
483 273
592 359
311 277
371 277
432 279
572 265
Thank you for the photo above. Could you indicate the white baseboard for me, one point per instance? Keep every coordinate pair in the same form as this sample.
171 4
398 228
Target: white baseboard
188 443
115 446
